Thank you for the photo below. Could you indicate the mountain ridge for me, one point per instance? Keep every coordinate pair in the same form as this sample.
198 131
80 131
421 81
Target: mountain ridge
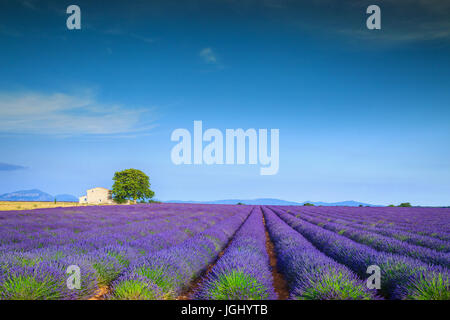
36 195
273 201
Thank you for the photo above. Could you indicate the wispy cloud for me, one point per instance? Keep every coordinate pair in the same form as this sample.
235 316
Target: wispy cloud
29 4
118 31
208 56
403 21
6 31
423 32
10 167
64 114
142 38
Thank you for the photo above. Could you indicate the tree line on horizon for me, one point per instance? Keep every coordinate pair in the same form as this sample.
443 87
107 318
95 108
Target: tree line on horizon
133 185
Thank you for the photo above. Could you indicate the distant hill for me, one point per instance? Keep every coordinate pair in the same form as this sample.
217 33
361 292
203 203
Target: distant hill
277 202
349 203
27 195
38 195
267 201
35 195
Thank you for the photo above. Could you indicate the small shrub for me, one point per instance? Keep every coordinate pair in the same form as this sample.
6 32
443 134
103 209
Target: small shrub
405 204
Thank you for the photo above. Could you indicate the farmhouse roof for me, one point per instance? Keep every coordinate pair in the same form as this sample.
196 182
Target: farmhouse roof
99 188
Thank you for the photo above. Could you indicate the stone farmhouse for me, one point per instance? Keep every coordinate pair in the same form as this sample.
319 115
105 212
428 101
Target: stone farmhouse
97 196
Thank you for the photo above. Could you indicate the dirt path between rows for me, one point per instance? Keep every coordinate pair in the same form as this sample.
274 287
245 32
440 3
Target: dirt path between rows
100 294
279 283
188 293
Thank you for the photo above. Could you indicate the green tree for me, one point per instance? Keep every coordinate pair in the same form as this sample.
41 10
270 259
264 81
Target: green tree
308 204
131 184
405 204
391 205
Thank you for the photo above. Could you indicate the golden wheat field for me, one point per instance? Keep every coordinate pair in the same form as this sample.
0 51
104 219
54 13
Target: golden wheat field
28 205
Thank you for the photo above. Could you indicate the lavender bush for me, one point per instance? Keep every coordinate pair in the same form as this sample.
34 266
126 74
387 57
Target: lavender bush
243 272
397 271
156 251
312 275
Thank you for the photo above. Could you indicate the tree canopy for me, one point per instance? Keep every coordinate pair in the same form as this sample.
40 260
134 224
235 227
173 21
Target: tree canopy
405 204
131 184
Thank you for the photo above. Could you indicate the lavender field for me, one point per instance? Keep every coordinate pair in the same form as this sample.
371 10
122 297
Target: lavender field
194 251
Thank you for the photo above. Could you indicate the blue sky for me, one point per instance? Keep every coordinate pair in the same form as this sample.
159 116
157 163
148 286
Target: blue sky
363 115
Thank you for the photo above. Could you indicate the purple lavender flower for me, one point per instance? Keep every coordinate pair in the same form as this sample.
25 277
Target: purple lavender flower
310 273
243 272
396 270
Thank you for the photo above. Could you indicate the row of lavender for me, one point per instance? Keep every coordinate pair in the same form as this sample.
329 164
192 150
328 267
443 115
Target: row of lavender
429 222
338 216
108 240
243 272
310 273
30 230
167 273
402 277
155 252
378 241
